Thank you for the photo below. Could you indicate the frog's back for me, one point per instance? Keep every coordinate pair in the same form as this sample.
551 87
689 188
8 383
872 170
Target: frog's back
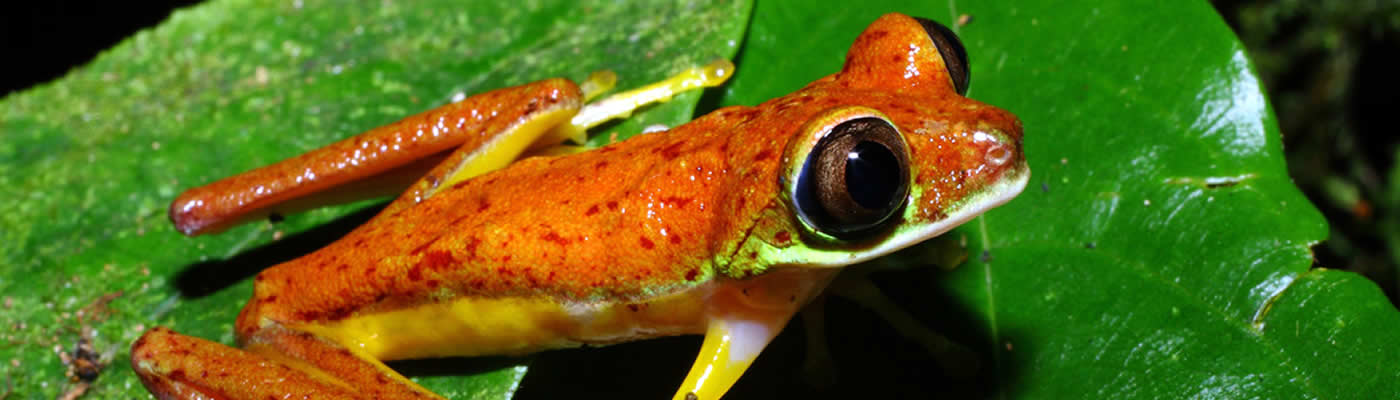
565 239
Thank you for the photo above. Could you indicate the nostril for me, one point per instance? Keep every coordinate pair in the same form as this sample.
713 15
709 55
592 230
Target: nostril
998 155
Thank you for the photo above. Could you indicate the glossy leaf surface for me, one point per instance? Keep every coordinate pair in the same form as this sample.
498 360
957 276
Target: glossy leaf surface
1160 250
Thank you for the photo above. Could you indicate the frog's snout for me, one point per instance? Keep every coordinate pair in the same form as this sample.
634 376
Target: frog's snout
997 155
998 148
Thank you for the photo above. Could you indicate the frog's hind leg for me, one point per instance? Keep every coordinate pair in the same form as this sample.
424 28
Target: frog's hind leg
383 160
467 162
275 361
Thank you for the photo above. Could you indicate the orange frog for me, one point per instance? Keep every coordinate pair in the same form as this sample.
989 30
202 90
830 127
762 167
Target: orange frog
726 226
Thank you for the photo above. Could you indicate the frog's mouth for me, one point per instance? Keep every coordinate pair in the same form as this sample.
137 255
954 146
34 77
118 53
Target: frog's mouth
1011 183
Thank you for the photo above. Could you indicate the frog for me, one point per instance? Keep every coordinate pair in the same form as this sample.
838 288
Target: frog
503 240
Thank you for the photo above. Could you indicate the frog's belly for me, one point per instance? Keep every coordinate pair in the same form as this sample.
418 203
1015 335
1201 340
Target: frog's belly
507 326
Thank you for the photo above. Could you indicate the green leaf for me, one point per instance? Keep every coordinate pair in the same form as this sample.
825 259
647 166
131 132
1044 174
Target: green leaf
1161 251
90 162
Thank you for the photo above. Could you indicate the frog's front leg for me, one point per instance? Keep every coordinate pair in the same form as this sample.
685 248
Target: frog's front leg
743 316
274 361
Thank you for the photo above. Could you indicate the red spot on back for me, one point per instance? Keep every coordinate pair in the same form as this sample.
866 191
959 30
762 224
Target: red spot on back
612 205
676 201
422 247
675 239
600 165
415 274
782 238
691 274
308 315
763 155
647 244
339 313
555 238
470 247
437 260
485 204
591 210
672 151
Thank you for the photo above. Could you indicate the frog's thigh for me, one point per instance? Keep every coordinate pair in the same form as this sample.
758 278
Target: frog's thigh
506 144
175 366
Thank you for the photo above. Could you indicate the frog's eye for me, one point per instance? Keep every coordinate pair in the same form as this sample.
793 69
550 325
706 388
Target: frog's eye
951 49
854 180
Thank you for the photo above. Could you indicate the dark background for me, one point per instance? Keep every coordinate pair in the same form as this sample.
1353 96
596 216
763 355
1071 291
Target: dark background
1329 66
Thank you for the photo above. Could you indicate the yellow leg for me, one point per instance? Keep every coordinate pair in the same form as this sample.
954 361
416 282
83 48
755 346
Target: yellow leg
597 83
622 105
744 316
730 347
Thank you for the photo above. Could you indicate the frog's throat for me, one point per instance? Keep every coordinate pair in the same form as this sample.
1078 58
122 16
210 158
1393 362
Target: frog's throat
904 235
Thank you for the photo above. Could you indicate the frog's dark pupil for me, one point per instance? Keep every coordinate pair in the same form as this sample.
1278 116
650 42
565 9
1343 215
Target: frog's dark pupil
872 175
854 181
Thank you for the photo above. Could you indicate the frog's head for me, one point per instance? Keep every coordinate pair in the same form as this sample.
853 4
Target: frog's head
900 157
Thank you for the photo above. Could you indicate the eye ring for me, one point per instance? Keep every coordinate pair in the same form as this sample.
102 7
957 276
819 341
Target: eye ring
952 51
855 180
